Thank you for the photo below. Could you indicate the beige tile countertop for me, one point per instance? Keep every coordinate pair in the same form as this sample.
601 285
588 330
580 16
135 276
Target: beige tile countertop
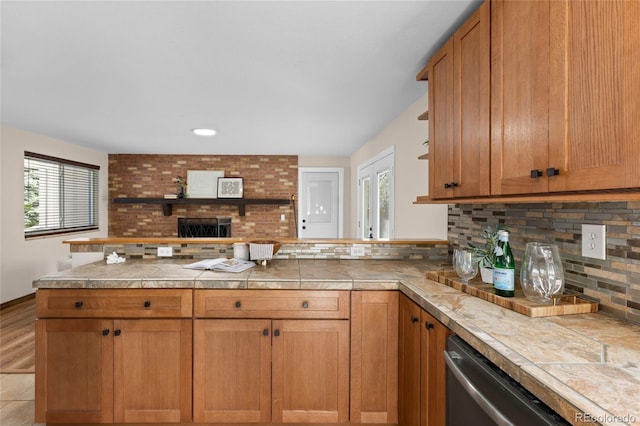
585 366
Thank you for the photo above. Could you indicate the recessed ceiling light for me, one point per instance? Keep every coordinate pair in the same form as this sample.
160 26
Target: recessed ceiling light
204 132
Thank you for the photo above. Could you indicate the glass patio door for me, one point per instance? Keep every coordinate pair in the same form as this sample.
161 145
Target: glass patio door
375 197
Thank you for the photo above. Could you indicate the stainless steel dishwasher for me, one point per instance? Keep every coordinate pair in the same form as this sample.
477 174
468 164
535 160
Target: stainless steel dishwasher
479 393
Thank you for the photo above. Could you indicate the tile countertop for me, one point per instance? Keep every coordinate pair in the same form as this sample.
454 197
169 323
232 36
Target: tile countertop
586 366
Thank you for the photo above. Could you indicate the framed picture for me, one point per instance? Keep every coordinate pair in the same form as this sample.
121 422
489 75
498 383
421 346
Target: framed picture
203 183
229 187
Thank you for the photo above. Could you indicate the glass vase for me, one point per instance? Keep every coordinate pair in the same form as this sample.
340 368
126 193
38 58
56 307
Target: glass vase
541 275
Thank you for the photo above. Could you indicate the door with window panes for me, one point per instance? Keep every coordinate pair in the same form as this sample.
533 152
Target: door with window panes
375 197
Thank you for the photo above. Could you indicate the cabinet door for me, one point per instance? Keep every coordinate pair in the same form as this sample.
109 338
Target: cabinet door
74 371
471 106
152 371
519 96
595 95
374 357
232 358
310 371
433 342
441 122
409 363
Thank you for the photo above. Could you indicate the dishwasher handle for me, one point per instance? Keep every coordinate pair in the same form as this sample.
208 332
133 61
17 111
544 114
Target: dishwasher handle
483 402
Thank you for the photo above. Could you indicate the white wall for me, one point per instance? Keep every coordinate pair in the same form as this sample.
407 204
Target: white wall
406 133
342 162
22 261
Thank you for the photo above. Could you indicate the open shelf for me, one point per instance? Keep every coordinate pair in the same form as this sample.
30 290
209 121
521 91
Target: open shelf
167 203
424 116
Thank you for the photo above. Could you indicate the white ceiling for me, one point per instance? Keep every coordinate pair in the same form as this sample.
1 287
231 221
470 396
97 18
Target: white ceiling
272 77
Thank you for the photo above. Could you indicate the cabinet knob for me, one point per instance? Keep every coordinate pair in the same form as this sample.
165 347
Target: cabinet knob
305 305
265 332
454 184
276 332
428 325
447 185
147 303
536 174
117 332
238 304
105 332
414 319
552 171
79 305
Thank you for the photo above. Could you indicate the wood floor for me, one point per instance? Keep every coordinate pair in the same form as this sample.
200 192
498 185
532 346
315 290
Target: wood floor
17 337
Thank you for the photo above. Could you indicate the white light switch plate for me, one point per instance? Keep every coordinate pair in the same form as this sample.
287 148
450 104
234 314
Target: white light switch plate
165 251
594 241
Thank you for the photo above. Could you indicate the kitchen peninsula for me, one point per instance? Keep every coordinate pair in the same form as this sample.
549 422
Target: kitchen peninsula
583 366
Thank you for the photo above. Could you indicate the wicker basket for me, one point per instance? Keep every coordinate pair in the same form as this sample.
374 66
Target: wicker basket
263 249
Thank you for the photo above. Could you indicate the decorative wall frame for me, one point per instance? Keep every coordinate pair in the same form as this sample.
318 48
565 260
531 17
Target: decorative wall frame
230 187
203 183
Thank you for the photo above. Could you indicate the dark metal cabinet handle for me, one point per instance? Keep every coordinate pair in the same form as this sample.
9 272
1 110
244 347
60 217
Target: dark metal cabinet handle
428 325
276 332
536 174
552 171
265 332
117 332
238 304
414 319
79 304
305 305
454 184
147 303
105 332
447 185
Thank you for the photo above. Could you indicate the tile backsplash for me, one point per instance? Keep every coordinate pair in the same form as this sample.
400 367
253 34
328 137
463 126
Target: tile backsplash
614 282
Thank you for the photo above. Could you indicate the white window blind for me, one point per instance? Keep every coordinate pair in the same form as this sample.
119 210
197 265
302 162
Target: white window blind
59 195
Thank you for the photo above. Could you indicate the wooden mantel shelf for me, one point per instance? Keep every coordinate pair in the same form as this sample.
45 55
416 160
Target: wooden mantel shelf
167 203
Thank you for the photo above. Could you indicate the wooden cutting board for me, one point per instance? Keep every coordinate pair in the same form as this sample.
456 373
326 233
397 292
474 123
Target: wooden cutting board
569 304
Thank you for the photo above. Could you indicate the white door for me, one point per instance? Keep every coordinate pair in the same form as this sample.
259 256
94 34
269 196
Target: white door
375 196
320 202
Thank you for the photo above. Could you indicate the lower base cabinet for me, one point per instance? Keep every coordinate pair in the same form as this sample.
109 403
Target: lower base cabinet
113 371
422 373
262 370
374 356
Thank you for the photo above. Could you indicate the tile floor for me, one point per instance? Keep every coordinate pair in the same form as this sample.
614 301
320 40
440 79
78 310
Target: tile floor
16 399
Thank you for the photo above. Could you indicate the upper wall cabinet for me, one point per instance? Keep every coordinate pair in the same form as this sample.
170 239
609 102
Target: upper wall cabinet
564 105
459 112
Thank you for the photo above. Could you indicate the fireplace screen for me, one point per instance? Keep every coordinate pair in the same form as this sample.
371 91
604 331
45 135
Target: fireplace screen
218 227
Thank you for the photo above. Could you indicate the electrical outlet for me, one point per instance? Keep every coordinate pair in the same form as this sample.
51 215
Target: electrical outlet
594 241
165 251
282 217
357 251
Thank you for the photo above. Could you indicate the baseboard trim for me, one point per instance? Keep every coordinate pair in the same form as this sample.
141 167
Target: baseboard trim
17 301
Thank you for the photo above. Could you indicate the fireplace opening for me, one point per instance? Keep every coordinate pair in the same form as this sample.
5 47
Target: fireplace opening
217 227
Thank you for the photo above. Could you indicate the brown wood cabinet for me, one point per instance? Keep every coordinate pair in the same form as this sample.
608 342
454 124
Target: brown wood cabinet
374 357
290 367
111 370
459 140
564 99
433 342
232 358
422 340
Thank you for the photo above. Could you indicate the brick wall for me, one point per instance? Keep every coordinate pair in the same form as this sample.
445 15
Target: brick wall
151 175
614 282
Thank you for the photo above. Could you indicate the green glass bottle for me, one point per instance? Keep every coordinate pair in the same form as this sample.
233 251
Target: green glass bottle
504 266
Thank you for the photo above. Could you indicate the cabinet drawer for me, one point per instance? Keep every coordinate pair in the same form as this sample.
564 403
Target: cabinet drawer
271 304
116 303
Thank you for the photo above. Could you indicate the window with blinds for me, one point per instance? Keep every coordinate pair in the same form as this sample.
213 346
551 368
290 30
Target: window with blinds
59 195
